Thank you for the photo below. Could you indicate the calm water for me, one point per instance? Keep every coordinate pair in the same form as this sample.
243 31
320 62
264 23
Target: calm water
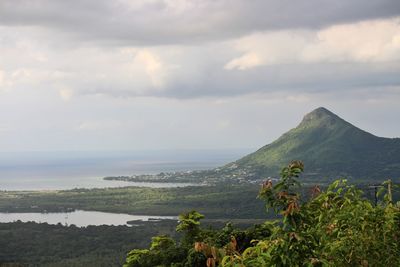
67 170
80 218
56 183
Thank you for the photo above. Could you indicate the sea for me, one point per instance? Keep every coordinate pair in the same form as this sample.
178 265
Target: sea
62 170
86 169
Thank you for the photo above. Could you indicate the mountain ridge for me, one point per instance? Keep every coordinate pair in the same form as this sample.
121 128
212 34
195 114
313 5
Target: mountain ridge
330 148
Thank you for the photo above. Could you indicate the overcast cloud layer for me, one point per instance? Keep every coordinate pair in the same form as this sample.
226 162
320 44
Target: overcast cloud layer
152 74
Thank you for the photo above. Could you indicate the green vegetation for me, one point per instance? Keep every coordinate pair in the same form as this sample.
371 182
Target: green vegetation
336 227
214 201
33 244
331 148
218 176
331 226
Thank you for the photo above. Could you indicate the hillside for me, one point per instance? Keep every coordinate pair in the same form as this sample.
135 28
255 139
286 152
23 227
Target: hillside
330 147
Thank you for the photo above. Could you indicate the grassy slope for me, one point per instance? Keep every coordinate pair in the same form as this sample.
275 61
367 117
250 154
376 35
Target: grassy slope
327 144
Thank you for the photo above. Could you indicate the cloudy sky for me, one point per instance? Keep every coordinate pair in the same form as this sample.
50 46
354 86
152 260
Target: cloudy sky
179 74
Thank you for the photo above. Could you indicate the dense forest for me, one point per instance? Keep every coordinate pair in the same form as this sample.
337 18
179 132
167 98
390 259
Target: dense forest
222 201
34 244
337 226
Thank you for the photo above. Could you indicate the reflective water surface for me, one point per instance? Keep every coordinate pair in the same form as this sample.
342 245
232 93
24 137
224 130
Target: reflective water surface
79 218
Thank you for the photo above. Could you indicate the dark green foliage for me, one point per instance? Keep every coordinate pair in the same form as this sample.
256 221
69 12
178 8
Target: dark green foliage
338 227
223 201
190 251
55 245
162 252
335 227
189 224
195 259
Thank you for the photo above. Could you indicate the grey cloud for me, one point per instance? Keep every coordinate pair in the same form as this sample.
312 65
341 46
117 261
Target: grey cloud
154 22
297 78
290 79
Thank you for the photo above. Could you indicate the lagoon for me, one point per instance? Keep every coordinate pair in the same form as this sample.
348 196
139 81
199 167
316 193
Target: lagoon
79 218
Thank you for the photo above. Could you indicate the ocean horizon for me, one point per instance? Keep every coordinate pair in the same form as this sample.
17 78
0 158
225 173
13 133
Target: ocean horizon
85 169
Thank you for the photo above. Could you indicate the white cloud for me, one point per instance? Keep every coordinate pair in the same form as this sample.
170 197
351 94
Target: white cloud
192 71
33 76
248 60
266 61
2 79
66 93
368 41
152 66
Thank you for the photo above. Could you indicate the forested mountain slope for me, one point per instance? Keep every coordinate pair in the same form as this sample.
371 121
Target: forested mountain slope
330 147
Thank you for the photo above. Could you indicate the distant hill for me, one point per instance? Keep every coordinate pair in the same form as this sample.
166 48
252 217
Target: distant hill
330 147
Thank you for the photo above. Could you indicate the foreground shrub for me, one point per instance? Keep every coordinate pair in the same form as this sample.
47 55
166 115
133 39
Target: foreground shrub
335 227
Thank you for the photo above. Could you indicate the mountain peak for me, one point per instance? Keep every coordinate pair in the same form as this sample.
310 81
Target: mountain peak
319 116
330 147
322 110
319 113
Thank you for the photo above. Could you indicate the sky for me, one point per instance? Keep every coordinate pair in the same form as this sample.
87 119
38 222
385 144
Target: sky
192 74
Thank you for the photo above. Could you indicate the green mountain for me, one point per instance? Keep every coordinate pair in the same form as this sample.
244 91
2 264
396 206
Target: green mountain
330 148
